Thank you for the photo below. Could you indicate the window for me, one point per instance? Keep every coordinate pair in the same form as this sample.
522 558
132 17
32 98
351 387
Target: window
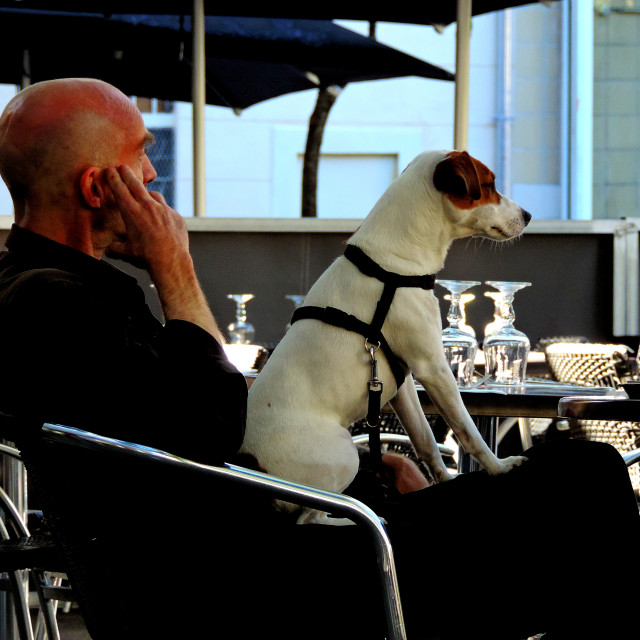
162 156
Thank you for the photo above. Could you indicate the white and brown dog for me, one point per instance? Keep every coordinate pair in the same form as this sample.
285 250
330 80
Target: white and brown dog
316 382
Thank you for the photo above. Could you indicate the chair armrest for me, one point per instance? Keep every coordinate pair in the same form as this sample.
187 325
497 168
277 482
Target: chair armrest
12 517
303 495
10 451
632 457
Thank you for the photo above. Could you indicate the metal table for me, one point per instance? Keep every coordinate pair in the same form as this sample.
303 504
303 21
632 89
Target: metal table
537 399
588 407
487 404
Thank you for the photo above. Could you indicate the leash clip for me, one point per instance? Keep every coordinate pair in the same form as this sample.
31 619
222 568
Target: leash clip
371 349
375 386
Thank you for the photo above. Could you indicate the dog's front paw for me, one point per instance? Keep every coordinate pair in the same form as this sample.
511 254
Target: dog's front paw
504 465
441 476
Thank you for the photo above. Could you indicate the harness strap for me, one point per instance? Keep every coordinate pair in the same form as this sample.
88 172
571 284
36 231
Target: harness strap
372 332
338 318
370 268
392 281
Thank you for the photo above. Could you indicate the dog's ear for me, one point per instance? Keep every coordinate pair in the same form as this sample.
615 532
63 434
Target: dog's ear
457 175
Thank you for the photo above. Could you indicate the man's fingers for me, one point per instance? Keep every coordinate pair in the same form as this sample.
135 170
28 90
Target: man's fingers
118 251
134 185
127 189
157 196
118 187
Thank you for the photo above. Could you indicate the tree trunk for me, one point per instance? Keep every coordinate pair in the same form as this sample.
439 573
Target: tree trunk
326 99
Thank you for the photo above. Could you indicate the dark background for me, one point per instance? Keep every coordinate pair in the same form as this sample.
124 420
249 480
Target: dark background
571 276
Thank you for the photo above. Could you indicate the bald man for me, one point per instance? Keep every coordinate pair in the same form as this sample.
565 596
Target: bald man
85 349
82 348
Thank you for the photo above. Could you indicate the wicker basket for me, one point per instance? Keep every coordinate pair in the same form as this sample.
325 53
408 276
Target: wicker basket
599 365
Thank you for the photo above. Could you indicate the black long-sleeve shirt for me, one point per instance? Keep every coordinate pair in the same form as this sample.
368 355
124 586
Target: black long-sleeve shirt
81 347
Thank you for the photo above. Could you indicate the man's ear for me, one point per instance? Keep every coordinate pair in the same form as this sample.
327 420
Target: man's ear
91 187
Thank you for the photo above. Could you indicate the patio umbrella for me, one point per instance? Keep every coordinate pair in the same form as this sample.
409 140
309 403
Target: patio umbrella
435 13
247 60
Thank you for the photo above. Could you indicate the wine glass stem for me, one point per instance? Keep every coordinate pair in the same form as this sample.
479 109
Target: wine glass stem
507 311
453 316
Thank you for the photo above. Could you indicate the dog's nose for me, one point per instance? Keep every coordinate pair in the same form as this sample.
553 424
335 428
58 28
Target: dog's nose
526 216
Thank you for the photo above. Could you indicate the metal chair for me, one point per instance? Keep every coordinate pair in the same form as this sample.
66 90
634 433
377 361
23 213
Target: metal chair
593 365
600 409
23 555
65 439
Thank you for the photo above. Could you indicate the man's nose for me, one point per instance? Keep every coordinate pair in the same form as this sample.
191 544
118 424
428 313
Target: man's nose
149 174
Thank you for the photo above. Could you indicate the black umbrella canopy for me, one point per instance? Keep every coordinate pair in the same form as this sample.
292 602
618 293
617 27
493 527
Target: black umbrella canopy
433 13
248 59
442 12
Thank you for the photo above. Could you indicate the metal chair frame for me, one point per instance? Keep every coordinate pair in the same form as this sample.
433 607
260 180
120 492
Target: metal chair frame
18 580
338 504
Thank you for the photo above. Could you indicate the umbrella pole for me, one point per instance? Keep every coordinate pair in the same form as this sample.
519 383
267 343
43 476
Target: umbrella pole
198 102
463 41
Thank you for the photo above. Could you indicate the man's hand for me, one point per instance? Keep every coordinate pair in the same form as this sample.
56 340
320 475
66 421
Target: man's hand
406 473
157 240
155 233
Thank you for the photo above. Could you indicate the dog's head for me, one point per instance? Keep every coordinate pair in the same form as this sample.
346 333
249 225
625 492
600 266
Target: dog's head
473 204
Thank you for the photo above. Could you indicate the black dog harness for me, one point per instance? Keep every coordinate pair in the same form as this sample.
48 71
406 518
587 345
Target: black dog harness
372 332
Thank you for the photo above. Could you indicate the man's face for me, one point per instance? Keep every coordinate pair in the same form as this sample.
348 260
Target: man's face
134 152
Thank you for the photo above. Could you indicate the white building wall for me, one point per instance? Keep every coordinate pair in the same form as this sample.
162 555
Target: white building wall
254 161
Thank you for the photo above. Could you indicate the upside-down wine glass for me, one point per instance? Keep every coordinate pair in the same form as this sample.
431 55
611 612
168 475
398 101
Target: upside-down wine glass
505 348
465 299
460 347
496 323
241 331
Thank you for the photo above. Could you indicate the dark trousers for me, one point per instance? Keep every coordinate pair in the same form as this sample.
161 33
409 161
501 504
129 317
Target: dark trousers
545 548
548 547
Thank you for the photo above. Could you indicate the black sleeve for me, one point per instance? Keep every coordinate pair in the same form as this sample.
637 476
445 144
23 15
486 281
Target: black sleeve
213 387
115 370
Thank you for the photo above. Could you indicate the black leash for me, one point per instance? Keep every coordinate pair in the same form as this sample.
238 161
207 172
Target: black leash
372 420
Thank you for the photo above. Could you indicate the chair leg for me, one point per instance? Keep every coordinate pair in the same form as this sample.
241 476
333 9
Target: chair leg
48 609
19 597
18 591
524 424
19 582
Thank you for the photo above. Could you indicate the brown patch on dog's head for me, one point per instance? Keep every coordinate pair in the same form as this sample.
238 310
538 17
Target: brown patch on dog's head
467 182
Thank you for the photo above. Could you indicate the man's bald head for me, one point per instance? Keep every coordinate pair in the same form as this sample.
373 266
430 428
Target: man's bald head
51 131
